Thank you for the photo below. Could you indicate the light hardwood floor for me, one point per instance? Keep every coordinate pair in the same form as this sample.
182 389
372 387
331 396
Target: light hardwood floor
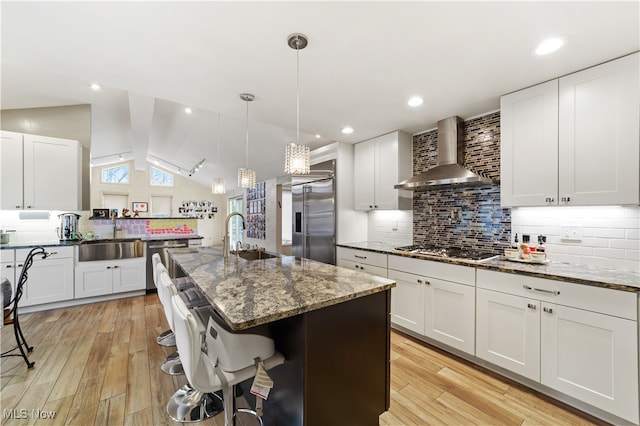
98 364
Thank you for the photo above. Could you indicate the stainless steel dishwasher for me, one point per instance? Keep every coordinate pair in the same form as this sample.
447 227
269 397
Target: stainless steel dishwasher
161 247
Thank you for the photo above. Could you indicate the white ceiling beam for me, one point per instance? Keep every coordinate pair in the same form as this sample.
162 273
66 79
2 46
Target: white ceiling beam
141 114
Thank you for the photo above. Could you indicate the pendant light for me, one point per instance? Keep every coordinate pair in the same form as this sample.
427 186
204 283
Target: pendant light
217 186
246 176
297 157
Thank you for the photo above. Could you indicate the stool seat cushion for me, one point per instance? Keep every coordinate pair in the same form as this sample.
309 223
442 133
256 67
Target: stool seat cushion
6 292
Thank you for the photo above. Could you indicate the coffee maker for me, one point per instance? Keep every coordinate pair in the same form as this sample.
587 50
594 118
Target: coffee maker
68 230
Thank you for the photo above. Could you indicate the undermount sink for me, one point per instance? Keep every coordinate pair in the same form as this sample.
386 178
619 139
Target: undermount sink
110 250
255 255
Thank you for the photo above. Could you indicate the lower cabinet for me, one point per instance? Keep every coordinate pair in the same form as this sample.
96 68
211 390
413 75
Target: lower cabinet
106 277
579 340
434 299
362 260
50 279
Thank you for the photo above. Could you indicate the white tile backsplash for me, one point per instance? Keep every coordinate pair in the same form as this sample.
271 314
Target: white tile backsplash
610 234
390 226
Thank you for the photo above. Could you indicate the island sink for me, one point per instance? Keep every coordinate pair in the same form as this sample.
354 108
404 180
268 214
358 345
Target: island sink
255 254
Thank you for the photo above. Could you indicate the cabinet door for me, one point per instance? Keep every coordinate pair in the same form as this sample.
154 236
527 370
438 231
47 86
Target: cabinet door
591 357
129 275
50 280
599 135
450 314
51 173
529 146
508 332
407 301
386 172
364 175
11 173
93 279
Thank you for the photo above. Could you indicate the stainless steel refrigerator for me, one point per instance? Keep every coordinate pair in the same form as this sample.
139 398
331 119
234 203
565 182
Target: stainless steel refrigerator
314 214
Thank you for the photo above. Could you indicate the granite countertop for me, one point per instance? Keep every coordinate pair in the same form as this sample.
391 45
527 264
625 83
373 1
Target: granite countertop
581 274
250 293
58 243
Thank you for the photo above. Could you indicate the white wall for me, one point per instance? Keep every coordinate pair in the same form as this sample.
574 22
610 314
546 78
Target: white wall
184 189
610 235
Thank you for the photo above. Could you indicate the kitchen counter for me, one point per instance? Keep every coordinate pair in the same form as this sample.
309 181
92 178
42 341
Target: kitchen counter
58 243
250 293
331 324
581 274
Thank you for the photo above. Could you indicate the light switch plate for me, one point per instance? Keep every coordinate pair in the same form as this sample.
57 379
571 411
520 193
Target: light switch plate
571 233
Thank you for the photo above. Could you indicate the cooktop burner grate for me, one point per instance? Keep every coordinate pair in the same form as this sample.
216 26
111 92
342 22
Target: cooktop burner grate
452 252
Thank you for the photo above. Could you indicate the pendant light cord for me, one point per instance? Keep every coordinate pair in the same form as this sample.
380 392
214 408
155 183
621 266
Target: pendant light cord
247 142
298 95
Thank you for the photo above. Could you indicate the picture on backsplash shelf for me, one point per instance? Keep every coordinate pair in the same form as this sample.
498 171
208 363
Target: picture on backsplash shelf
140 207
100 213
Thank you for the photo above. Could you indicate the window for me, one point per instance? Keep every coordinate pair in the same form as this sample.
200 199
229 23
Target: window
160 178
161 206
118 174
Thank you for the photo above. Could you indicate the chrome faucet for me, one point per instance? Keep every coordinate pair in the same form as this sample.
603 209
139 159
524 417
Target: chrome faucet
226 250
115 227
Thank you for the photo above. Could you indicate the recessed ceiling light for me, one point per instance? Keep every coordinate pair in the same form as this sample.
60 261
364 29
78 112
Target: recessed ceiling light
95 86
549 45
317 136
415 101
347 130
188 110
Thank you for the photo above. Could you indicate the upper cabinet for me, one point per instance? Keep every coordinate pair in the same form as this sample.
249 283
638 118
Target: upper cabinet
574 140
40 173
379 164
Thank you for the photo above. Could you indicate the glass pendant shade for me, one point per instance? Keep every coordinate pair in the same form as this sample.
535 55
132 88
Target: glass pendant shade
297 159
246 178
217 186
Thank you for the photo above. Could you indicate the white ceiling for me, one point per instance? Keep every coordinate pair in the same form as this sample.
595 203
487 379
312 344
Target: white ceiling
363 62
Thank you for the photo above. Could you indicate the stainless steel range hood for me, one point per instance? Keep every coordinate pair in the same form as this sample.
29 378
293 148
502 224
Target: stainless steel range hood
449 169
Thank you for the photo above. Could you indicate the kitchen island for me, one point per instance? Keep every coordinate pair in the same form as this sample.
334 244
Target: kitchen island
331 324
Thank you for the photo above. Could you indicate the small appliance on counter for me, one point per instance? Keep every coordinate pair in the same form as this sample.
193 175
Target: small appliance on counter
68 229
4 236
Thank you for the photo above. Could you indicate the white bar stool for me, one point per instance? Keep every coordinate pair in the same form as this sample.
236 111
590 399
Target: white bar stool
205 374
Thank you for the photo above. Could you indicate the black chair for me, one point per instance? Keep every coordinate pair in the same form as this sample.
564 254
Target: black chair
13 310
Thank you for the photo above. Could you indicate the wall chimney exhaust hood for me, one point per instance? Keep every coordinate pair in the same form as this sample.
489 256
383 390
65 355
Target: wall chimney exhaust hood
449 169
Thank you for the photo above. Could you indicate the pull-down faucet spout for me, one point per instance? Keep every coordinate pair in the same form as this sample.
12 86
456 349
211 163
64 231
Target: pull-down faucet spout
227 244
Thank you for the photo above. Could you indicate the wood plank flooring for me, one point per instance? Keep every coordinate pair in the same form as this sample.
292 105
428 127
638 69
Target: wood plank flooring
98 364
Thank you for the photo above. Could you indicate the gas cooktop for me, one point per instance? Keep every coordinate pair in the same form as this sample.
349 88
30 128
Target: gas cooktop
451 252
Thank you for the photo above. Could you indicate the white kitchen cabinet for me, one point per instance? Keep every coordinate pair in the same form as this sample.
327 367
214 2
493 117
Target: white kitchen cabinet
379 164
50 279
508 332
408 301
99 278
362 260
434 299
574 140
11 171
599 134
40 172
586 337
591 357
529 146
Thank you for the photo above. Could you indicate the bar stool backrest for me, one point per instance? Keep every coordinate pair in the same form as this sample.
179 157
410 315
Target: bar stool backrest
187 339
155 260
164 294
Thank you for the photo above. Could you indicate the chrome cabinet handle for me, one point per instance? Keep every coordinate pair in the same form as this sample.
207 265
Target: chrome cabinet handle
419 281
541 290
548 310
116 267
359 257
532 306
549 199
9 266
108 267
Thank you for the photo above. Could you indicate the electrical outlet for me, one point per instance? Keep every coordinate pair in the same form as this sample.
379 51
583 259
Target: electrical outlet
572 233
394 226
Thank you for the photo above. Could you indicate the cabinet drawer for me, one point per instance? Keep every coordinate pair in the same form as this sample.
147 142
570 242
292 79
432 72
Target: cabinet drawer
363 256
60 252
607 301
7 255
444 271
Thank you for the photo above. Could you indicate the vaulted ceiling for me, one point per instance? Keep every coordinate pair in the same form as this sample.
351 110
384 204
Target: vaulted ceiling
363 62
